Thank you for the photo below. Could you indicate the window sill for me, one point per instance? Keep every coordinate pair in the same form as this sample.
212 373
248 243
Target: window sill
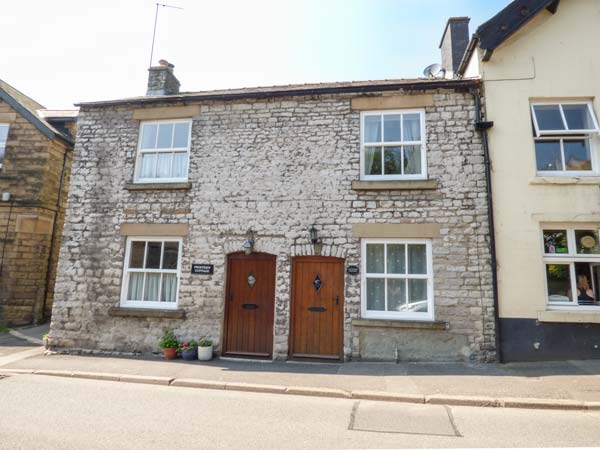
386 185
399 323
144 313
569 316
186 186
566 180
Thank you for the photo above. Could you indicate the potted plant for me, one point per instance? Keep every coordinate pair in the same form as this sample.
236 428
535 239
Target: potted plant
169 344
189 350
205 349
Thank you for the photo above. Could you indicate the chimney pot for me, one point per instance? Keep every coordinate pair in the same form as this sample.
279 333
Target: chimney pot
162 80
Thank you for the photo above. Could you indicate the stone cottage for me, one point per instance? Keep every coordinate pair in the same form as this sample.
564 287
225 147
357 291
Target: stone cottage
36 146
311 222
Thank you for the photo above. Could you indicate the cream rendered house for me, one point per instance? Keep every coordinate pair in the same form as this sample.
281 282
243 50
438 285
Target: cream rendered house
540 68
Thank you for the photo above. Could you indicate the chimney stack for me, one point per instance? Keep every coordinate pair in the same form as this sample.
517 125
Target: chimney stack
454 43
161 80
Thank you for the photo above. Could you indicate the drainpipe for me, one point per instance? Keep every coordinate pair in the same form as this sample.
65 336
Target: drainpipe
483 126
53 236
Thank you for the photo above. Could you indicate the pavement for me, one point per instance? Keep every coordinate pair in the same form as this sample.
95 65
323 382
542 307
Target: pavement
545 385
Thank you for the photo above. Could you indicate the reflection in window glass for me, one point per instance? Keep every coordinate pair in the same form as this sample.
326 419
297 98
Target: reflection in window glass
417 295
417 259
373 160
578 117
547 155
375 261
181 136
586 242
391 128
149 136
558 278
376 294
396 294
153 255
555 241
136 261
165 135
548 117
393 160
577 154
170 255
396 258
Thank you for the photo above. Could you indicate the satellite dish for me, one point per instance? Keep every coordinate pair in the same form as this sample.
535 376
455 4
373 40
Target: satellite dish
434 71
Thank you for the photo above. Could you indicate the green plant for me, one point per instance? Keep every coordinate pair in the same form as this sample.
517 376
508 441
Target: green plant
4 329
189 345
168 340
204 342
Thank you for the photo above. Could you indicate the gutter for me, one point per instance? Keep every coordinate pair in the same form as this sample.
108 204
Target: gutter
483 126
367 88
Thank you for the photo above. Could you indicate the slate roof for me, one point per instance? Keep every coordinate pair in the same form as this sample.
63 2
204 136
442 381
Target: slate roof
491 34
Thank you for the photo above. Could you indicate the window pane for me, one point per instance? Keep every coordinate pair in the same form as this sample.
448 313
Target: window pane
152 287
585 287
417 295
165 135
417 259
153 255
171 252
375 294
149 136
412 159
578 117
3 134
136 261
136 284
393 160
547 155
412 127
558 277
396 292
148 166
375 262
396 258
548 117
180 165
555 241
169 287
586 242
181 135
163 165
372 131
372 160
391 128
577 154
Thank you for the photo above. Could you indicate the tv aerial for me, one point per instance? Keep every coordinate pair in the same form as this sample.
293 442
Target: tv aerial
434 71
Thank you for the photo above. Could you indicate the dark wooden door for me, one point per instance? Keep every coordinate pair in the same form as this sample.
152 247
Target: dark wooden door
249 305
317 308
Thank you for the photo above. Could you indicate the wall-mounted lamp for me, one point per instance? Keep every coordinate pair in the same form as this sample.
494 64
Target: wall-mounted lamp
248 245
314 236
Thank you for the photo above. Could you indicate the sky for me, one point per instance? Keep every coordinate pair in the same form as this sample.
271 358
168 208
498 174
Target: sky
61 52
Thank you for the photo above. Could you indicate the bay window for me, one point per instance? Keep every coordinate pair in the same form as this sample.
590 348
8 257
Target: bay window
397 279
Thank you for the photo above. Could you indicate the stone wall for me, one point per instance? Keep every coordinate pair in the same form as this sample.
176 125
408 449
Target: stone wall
276 166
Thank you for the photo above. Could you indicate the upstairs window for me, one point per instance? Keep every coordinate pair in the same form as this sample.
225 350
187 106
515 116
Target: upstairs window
163 151
565 142
393 145
3 139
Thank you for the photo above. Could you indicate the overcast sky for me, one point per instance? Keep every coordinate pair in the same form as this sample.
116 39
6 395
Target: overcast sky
60 52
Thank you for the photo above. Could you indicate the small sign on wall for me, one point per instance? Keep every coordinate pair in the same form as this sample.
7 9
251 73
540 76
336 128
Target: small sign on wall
352 270
203 269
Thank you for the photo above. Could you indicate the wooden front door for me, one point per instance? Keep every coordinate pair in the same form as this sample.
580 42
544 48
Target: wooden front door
317 308
249 305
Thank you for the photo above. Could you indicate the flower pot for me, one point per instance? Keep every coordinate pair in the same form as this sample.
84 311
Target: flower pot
170 353
190 354
205 353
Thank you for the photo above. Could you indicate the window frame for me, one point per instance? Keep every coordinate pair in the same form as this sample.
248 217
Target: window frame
423 143
7 125
570 258
124 302
566 131
429 316
569 173
140 152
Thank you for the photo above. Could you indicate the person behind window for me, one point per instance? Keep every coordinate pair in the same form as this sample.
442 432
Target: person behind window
585 295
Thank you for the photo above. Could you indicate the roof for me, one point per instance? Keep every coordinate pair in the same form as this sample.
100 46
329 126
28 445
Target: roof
27 107
491 34
294 90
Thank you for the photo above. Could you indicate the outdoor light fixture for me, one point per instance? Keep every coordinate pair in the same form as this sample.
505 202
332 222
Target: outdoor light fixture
248 245
314 237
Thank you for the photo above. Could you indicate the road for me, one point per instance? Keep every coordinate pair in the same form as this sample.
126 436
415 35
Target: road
41 412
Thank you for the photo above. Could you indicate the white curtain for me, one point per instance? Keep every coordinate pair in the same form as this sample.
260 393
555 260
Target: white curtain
152 286
179 165
136 284
372 160
412 127
169 287
372 129
412 159
163 165
148 166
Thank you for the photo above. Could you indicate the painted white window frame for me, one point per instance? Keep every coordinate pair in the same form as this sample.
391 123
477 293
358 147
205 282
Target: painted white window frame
422 143
397 315
140 152
3 143
566 131
127 270
570 258
570 173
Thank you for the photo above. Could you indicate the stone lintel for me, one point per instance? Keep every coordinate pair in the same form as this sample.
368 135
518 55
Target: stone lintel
154 229
143 313
396 230
167 112
367 103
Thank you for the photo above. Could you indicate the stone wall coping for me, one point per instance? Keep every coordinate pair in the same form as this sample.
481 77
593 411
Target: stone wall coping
395 185
379 323
158 186
142 313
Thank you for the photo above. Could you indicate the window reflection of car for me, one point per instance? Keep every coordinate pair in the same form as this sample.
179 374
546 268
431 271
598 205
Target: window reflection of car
414 307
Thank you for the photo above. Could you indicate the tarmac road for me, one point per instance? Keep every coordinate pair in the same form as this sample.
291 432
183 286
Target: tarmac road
39 412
